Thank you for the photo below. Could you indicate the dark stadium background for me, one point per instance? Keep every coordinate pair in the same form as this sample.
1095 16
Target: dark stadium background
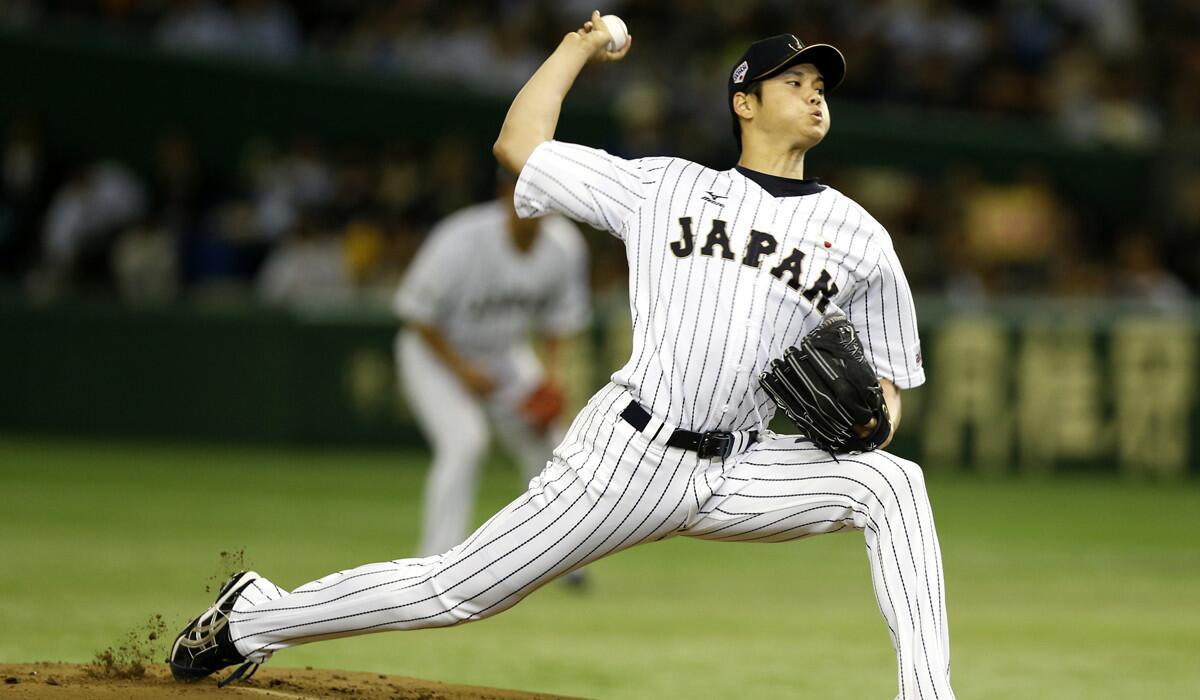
206 205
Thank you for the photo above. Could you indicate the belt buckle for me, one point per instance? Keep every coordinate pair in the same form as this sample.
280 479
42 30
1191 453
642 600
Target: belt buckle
715 443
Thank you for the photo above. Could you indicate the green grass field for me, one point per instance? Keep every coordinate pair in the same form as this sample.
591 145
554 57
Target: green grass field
1071 589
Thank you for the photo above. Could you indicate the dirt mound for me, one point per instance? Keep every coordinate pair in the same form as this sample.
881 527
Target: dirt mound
78 681
129 658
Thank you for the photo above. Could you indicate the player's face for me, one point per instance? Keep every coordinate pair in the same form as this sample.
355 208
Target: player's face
794 108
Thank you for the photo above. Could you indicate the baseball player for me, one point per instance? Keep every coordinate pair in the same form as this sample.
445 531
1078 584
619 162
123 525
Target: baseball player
731 273
481 284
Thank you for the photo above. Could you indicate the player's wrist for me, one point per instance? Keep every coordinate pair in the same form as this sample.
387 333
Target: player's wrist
881 433
577 47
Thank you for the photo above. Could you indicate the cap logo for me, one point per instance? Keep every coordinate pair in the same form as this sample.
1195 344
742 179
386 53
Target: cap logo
739 73
795 44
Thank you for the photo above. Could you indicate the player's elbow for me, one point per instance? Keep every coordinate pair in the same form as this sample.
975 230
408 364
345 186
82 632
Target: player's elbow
515 144
508 155
500 150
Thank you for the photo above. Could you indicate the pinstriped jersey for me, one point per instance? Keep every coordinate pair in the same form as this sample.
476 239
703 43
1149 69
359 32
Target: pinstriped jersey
723 276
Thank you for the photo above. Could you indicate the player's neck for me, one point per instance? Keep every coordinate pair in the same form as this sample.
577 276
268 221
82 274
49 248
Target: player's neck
788 164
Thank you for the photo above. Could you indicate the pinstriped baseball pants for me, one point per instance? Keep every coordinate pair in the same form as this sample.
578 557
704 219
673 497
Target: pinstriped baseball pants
609 487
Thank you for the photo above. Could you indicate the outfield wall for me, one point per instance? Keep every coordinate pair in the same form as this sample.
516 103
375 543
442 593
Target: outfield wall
1032 387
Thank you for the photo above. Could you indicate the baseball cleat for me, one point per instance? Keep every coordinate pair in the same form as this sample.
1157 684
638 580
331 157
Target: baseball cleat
204 646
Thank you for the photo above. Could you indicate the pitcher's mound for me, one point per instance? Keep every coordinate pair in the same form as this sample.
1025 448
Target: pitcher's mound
79 681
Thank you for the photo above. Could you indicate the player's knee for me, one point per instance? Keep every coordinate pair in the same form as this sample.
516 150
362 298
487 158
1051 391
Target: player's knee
891 479
906 474
909 468
467 605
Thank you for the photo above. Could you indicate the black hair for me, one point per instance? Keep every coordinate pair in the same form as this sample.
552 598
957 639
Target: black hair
753 88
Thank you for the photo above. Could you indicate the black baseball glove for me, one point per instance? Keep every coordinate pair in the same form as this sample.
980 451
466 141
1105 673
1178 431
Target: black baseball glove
827 387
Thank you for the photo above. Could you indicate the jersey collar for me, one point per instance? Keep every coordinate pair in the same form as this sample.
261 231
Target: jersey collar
782 186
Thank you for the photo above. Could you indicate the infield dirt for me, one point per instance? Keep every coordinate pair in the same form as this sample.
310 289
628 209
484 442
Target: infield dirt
78 681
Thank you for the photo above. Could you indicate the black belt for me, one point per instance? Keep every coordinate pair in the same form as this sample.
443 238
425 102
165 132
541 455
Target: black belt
714 443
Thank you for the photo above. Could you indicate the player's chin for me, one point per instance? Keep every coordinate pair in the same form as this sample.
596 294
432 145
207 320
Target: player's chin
812 135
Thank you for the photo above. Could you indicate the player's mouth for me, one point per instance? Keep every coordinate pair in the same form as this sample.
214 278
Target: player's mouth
818 115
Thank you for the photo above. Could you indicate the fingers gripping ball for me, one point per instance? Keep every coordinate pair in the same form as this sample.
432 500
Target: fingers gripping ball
827 387
542 406
617 30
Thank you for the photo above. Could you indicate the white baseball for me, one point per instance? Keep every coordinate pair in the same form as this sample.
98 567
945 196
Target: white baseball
617 30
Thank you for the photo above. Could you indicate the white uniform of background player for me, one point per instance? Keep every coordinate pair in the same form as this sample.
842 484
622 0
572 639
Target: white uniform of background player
726 270
473 285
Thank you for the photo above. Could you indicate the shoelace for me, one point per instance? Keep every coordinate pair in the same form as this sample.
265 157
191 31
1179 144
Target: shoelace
237 674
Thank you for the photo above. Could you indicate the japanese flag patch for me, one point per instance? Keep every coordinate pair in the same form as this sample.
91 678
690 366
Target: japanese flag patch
739 73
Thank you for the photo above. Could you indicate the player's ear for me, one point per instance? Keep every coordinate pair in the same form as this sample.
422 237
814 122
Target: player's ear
743 106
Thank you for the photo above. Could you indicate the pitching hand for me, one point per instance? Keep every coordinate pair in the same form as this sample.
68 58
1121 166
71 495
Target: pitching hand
595 37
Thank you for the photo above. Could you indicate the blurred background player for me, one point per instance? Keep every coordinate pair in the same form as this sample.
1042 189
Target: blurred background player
483 283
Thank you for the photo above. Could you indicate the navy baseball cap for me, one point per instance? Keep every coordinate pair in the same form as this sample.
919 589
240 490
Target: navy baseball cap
771 56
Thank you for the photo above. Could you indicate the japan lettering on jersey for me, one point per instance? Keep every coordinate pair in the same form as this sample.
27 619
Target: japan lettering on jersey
470 281
723 277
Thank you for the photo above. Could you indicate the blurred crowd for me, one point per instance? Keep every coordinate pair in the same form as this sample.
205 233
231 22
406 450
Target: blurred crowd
298 221
303 218
1108 70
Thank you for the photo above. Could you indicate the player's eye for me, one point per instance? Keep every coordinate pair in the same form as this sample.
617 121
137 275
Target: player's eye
794 83
821 91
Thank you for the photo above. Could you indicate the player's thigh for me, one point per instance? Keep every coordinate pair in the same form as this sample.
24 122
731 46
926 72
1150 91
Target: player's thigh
607 488
450 417
784 489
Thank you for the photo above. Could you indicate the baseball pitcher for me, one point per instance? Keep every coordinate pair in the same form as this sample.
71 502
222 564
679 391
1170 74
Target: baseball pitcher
750 288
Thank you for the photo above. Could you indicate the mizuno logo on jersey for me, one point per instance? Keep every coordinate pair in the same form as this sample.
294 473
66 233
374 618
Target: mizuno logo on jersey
712 198
759 246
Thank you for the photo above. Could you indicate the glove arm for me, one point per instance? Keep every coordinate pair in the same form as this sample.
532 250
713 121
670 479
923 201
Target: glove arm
891 398
874 435
830 390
